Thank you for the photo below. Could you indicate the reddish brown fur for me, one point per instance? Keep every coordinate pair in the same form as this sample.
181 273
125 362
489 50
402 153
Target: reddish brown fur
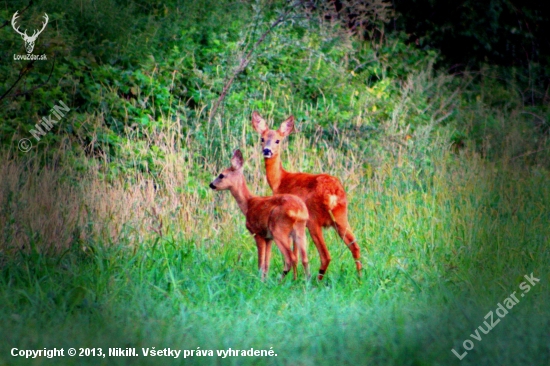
323 194
280 218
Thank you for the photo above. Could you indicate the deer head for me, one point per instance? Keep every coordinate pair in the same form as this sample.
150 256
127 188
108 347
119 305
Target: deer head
270 138
29 40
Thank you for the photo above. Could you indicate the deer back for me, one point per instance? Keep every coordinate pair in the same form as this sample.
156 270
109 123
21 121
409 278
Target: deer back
266 212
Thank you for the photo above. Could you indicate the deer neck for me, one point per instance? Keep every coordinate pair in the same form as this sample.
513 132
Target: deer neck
242 195
274 172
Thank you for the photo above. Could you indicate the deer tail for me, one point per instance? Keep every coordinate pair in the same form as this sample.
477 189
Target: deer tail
299 215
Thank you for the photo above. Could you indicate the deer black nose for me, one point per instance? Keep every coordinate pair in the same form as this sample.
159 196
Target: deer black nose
267 153
212 186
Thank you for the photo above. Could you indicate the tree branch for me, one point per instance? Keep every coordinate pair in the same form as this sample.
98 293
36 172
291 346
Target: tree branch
22 73
244 63
7 22
40 85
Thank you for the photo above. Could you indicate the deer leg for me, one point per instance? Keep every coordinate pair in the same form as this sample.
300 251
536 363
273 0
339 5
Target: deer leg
267 258
300 243
261 245
287 254
282 239
316 233
295 254
281 231
341 225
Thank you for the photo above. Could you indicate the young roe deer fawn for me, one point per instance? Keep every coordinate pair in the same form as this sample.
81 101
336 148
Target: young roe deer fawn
278 218
323 194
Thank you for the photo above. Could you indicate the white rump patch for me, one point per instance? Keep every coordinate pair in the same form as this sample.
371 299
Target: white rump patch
332 201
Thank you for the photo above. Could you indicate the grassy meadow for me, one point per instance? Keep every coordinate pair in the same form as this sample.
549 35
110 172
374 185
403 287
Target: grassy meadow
131 266
110 236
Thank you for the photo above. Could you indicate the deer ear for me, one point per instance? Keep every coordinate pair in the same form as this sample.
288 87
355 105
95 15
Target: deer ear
237 160
258 123
287 126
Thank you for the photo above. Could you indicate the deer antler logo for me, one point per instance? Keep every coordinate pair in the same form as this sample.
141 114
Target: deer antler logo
29 41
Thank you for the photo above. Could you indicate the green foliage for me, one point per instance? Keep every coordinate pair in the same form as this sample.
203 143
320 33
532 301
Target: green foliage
173 73
161 68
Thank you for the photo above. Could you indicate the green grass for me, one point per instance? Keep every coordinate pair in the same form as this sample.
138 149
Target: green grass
440 252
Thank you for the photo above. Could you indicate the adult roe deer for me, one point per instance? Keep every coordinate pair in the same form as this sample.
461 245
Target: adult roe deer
323 194
278 218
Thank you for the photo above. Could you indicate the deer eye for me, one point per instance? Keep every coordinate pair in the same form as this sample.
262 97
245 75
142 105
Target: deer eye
221 176
277 141
263 139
